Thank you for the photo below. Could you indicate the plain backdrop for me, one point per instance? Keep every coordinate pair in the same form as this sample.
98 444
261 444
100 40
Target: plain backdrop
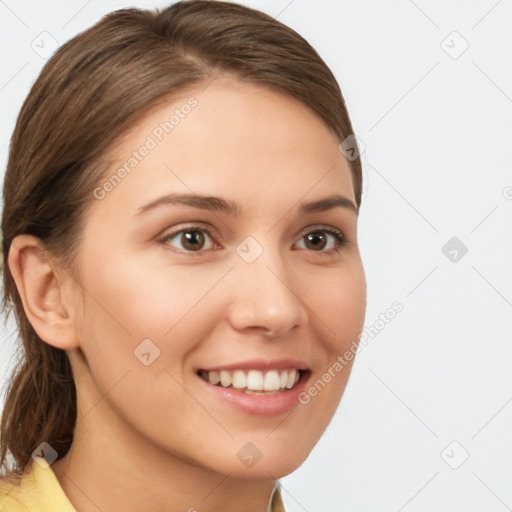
426 418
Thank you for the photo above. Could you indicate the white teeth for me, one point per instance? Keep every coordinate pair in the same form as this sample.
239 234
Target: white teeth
251 392
254 381
214 378
283 380
291 380
272 381
239 379
225 379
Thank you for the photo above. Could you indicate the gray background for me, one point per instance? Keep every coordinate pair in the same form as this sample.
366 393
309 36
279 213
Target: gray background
426 418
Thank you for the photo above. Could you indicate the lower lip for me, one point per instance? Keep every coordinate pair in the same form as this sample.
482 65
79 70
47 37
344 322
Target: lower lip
260 405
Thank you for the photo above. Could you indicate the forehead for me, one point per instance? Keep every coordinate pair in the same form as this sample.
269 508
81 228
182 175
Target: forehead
228 138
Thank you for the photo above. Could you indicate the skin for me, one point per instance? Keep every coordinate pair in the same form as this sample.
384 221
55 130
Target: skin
153 428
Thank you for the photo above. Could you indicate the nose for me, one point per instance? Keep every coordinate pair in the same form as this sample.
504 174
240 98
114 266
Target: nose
265 297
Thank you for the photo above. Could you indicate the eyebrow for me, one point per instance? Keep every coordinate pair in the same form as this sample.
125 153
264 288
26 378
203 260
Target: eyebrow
218 204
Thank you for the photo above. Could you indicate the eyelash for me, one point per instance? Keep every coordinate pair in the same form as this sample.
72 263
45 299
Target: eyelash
340 237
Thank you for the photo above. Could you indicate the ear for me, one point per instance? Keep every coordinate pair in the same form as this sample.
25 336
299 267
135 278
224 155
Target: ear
41 289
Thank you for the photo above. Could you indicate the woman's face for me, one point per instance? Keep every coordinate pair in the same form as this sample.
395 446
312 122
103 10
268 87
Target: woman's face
255 281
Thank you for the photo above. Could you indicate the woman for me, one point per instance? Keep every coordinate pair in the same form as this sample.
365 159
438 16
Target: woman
180 252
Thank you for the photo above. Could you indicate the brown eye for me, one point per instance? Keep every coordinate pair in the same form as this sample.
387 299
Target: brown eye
193 240
323 240
316 240
189 239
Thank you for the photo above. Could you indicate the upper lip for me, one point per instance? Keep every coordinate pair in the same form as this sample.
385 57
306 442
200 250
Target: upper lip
260 364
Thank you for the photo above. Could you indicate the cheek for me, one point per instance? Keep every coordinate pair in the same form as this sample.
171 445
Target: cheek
338 301
127 305
129 301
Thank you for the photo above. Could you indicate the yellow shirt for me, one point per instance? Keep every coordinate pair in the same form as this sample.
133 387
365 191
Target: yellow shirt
40 491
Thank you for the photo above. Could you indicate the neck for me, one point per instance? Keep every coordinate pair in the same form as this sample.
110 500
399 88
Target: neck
119 477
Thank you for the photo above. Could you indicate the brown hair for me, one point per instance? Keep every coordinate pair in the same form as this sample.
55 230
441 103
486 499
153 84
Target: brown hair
90 92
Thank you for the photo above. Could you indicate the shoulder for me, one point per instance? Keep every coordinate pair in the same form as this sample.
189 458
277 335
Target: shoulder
10 496
36 490
12 504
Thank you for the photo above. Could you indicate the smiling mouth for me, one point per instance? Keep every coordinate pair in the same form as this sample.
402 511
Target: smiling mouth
255 382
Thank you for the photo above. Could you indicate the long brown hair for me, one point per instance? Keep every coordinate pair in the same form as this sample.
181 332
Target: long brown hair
90 92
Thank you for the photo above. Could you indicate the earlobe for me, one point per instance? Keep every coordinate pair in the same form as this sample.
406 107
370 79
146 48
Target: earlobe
41 290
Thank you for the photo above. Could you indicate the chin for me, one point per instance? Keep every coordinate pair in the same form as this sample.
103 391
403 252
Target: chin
253 464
